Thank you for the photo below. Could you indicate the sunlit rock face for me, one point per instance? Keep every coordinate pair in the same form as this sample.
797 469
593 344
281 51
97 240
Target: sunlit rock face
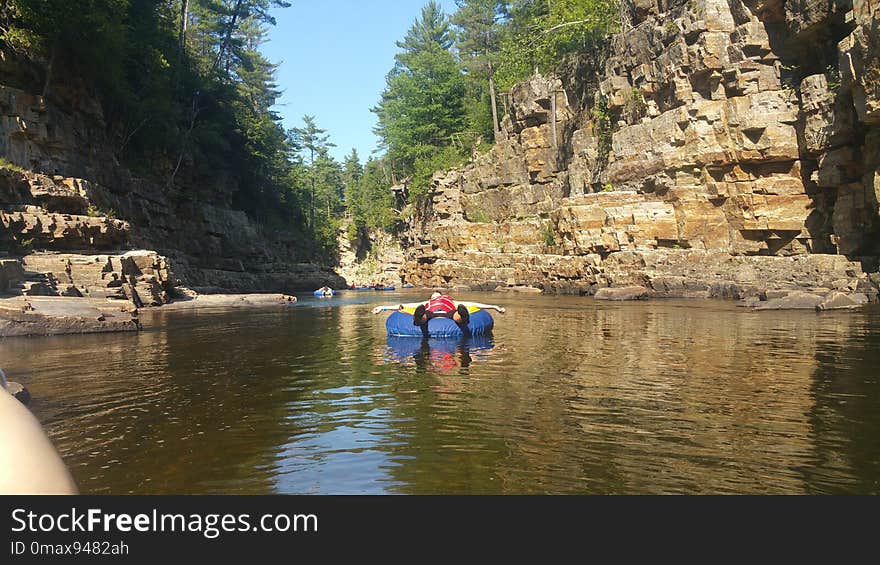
724 148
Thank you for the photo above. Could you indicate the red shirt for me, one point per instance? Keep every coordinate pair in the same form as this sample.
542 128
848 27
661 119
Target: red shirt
443 304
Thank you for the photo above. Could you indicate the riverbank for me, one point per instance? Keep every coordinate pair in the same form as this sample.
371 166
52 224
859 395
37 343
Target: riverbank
203 301
55 293
23 316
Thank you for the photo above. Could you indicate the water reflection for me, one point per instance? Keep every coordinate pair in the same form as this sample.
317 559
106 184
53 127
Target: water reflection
569 396
439 355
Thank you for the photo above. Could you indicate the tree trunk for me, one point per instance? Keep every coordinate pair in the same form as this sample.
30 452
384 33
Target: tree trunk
553 133
312 207
181 36
312 191
181 44
192 124
497 127
195 101
227 35
49 73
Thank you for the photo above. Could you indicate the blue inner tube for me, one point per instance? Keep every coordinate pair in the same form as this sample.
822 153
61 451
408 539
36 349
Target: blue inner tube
401 324
322 293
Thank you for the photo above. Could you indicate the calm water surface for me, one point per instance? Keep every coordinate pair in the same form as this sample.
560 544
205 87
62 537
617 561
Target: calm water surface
571 396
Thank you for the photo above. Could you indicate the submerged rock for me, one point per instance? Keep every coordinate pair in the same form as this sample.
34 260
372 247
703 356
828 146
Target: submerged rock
54 315
519 288
802 300
843 301
230 301
624 293
796 300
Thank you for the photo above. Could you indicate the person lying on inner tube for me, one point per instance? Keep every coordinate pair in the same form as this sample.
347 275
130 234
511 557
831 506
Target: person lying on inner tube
439 306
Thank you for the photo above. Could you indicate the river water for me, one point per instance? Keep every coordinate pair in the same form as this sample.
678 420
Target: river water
570 396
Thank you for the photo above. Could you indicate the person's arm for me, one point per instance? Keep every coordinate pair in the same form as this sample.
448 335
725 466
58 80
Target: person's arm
403 306
484 306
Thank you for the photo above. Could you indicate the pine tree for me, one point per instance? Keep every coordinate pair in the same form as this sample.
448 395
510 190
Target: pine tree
422 105
221 28
329 185
478 42
352 171
315 142
376 198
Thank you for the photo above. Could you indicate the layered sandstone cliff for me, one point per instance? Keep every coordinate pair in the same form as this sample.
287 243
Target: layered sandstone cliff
75 223
725 148
66 179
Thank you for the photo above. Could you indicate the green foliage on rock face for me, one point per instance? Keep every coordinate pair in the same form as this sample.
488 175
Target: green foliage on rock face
634 108
832 76
94 212
549 237
442 159
4 164
478 216
602 128
540 34
88 34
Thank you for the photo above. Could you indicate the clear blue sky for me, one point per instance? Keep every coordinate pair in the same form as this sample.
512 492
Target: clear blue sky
334 56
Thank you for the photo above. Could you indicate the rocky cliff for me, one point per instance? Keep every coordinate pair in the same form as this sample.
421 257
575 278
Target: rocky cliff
75 222
372 258
723 148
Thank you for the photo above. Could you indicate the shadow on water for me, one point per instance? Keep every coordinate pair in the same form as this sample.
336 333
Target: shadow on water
569 396
845 418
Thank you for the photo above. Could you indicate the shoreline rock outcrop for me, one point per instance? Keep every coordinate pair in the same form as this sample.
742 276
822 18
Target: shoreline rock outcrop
50 293
42 316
